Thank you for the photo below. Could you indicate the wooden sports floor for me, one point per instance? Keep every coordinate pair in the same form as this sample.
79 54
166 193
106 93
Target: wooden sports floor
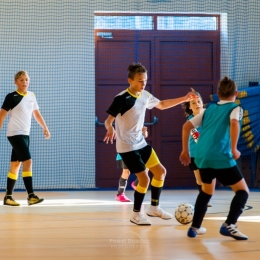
92 225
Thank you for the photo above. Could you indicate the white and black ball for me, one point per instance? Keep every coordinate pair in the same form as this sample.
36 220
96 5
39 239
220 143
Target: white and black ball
184 213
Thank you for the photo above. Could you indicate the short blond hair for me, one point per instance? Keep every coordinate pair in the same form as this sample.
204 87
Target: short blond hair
20 73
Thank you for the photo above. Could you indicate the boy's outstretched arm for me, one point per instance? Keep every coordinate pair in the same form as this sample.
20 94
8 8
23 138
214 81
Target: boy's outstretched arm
3 114
168 103
234 134
111 132
185 155
39 119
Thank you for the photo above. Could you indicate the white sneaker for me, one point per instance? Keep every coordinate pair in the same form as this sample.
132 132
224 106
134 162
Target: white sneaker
201 231
193 232
156 211
140 220
232 231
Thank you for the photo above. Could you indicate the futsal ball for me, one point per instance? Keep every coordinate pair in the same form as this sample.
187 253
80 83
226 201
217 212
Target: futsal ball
184 213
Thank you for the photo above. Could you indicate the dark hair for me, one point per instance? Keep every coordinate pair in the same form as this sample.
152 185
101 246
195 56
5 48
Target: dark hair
134 69
226 87
186 105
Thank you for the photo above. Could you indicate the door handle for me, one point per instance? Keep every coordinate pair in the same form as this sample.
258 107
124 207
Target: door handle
97 122
154 122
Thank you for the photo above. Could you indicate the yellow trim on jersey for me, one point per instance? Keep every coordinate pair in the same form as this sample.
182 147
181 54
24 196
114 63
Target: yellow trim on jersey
21 93
12 176
141 189
153 160
157 183
27 174
133 94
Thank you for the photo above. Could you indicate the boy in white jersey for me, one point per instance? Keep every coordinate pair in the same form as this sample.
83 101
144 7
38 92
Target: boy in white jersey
128 110
215 155
21 105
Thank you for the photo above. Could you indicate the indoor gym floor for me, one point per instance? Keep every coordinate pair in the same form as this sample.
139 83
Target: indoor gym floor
92 225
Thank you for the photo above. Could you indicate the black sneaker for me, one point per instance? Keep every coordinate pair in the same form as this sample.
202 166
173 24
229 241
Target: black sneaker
231 231
34 200
9 201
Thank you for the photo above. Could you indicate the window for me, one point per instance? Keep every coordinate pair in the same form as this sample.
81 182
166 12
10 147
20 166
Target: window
124 22
187 23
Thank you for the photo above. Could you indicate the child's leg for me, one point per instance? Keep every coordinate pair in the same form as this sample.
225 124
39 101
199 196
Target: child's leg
27 179
229 228
201 203
135 182
141 189
159 173
134 160
27 176
238 203
199 182
122 186
234 178
12 177
123 181
198 179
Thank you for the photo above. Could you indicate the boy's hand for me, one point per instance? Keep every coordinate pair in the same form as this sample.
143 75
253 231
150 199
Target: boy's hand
185 158
236 154
46 133
190 96
110 135
144 131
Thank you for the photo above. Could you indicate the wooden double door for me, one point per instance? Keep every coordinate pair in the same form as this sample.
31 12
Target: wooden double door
176 61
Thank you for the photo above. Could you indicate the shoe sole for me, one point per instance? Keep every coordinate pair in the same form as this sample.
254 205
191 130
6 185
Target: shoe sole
39 201
123 200
5 204
140 224
153 216
237 238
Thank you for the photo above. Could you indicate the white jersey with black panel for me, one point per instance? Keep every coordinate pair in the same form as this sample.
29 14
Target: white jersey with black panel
129 111
21 108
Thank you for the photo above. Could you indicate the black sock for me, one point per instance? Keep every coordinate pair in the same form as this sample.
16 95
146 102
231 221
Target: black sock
28 185
237 206
10 186
138 200
200 208
136 182
156 188
155 195
121 185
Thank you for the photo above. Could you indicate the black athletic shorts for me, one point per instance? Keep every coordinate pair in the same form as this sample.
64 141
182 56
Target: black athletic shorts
20 151
227 177
138 160
192 165
121 164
